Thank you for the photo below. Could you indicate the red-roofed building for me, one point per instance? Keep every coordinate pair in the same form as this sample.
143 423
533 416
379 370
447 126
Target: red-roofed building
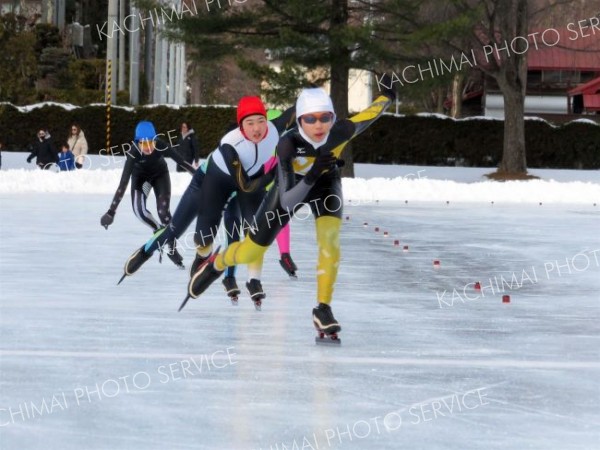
568 60
585 98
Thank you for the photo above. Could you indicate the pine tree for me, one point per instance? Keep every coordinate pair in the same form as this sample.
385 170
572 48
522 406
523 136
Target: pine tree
315 40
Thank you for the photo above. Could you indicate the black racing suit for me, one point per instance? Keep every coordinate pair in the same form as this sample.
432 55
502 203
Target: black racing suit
211 188
149 171
297 186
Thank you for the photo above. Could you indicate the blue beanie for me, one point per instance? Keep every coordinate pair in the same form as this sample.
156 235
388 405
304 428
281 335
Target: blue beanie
144 130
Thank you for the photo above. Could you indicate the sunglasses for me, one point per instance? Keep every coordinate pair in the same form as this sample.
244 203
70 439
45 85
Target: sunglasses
312 118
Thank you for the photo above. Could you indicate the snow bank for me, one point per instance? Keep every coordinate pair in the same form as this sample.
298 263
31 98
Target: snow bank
498 119
373 182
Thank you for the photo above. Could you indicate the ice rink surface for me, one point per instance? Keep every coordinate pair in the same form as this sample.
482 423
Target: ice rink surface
427 362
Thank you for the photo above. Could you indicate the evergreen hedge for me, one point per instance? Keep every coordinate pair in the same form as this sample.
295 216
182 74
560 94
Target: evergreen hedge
431 140
18 129
418 140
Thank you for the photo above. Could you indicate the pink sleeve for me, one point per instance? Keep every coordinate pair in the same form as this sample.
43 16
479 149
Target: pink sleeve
271 162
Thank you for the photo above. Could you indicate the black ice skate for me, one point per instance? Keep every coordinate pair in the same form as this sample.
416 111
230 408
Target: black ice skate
140 256
203 278
232 290
256 292
135 261
198 261
326 325
288 265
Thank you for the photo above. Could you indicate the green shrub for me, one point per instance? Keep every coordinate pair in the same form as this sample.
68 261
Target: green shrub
417 140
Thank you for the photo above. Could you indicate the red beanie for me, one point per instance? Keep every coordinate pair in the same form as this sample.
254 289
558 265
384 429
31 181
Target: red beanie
249 106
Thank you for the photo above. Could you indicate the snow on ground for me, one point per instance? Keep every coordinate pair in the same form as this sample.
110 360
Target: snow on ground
426 361
373 182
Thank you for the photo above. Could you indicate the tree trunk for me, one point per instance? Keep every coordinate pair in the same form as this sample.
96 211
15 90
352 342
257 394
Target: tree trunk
439 99
512 80
514 154
457 88
339 97
340 68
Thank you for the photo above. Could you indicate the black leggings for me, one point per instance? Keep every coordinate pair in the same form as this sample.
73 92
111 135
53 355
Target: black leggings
140 188
190 206
217 189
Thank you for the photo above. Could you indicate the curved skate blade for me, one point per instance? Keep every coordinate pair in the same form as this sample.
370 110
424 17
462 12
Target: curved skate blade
330 340
185 300
122 278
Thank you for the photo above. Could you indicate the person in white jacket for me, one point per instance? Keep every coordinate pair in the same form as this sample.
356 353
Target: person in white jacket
78 145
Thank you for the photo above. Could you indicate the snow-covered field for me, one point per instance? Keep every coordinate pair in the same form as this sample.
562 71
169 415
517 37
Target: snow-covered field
373 182
427 361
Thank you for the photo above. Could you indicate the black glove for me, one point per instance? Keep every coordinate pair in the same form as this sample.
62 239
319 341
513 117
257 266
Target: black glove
107 219
340 163
322 164
30 159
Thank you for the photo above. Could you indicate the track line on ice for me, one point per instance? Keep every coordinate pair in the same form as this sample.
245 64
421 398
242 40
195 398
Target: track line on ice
499 363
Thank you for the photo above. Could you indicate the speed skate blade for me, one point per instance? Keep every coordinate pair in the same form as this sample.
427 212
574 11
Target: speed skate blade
333 342
122 278
184 302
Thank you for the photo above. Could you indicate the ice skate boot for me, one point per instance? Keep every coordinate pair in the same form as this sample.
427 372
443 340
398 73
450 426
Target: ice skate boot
326 325
232 290
198 261
140 256
134 262
256 292
288 265
203 278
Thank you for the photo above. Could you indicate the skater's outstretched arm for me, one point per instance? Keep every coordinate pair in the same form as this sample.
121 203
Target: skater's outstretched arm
171 153
286 120
109 216
346 130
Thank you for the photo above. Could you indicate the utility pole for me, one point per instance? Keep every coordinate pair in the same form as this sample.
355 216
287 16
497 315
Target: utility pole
59 15
111 49
171 99
121 47
134 57
148 61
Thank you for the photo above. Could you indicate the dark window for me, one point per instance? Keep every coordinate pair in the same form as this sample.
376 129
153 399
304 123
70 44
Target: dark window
587 76
534 77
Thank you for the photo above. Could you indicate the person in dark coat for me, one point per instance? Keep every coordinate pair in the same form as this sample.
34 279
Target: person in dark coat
187 146
43 150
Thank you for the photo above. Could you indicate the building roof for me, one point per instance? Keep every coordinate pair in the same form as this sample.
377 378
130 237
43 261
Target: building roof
591 87
591 102
577 49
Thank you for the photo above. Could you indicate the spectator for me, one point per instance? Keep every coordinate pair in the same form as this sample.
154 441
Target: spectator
187 146
43 150
78 145
66 158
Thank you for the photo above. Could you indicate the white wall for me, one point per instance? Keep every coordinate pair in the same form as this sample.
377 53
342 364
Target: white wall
534 104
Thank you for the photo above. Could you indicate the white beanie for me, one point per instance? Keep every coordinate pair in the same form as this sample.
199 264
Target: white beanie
313 100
